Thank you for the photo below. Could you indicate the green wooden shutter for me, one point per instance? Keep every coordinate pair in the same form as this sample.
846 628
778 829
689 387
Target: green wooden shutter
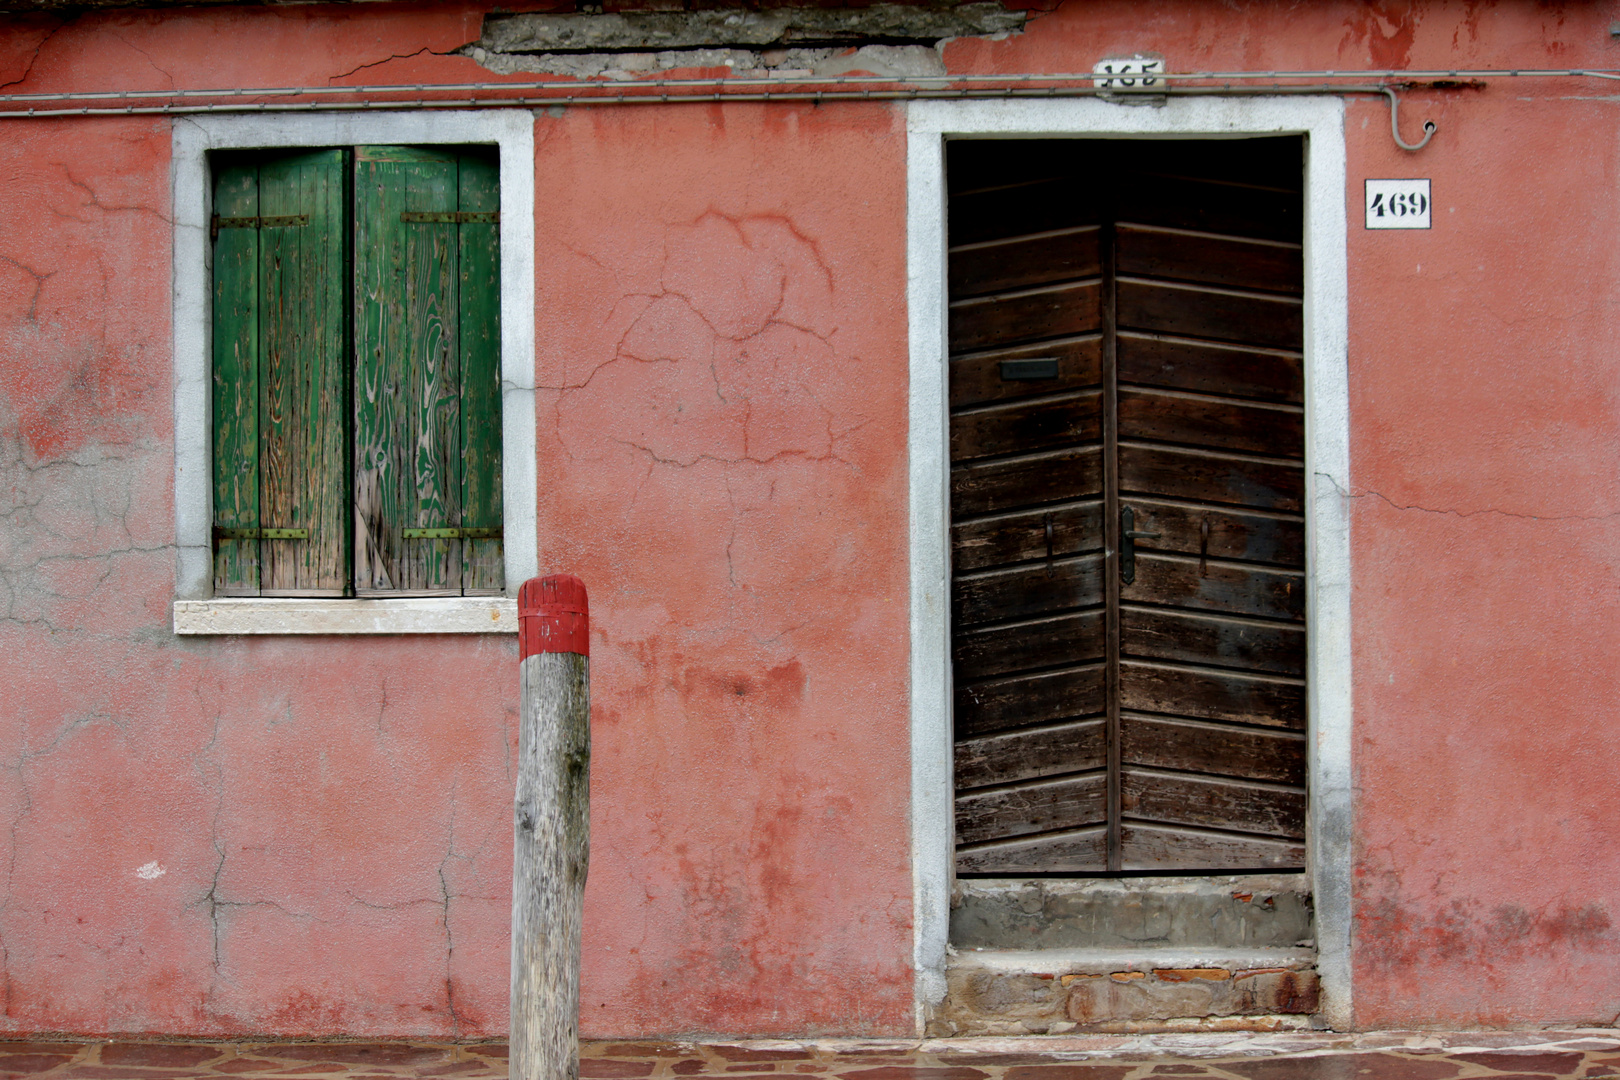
485 568
236 384
280 343
426 379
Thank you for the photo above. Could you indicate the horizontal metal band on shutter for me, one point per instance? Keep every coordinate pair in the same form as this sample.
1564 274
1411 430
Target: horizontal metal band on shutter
450 217
283 221
451 534
223 533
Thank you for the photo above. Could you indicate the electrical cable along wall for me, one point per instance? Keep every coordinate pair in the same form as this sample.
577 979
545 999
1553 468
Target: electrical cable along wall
782 88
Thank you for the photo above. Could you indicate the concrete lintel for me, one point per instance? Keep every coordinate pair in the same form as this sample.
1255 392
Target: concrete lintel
652 31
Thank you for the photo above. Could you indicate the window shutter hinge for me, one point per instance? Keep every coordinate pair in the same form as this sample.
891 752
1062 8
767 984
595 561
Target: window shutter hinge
450 217
223 533
284 221
451 534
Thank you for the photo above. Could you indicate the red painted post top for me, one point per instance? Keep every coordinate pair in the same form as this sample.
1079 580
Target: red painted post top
553 616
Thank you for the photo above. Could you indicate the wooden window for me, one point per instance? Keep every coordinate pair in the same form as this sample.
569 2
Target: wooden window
356 373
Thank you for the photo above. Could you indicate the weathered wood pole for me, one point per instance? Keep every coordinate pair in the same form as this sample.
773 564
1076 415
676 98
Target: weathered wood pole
551 840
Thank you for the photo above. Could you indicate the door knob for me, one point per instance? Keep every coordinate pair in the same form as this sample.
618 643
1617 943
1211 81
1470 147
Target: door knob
1127 544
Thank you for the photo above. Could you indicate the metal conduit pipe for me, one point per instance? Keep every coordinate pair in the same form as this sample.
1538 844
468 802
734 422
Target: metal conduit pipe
816 96
931 81
754 89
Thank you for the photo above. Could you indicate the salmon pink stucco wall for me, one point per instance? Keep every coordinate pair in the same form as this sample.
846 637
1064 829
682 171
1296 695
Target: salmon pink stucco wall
203 835
722 366
1485 405
312 836
1484 490
308 836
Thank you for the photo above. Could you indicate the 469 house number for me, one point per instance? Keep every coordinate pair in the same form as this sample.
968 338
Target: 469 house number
1398 204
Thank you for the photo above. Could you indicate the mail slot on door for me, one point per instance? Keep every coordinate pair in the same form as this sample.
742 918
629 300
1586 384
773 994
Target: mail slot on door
1031 370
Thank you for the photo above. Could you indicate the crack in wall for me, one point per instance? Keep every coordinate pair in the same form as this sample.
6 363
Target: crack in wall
731 541
725 340
720 459
39 285
92 198
449 951
761 325
423 51
382 711
211 897
55 509
445 897
1368 493
17 818
28 70
148 56
217 903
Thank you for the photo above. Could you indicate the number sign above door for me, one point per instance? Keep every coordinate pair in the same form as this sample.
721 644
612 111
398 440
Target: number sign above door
1398 204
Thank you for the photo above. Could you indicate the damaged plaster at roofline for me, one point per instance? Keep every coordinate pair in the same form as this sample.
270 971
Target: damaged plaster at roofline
885 39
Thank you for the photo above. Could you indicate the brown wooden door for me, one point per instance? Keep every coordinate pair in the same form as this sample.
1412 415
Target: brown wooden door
1125 337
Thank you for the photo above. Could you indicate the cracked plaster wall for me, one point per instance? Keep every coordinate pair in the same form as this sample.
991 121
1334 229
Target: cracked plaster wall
722 374
721 433
299 836
215 836
1485 404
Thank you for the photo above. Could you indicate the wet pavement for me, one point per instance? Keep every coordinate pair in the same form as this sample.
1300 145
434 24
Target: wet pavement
1182 1056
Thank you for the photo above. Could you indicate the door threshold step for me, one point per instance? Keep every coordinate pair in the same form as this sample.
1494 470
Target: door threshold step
1057 962
1059 991
1130 914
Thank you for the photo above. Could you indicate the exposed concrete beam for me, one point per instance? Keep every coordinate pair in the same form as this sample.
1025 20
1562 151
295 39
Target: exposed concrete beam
651 31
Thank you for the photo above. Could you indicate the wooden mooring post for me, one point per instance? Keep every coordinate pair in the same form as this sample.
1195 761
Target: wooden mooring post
552 822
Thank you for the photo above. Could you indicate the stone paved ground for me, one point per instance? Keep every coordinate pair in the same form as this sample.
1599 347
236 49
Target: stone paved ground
1189 1056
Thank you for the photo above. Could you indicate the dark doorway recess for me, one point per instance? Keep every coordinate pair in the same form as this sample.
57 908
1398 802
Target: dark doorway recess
1127 485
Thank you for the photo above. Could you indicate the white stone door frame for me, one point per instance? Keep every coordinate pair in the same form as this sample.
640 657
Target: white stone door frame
1327 459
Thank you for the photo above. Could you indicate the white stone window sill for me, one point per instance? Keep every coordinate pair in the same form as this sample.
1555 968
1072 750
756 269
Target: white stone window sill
427 615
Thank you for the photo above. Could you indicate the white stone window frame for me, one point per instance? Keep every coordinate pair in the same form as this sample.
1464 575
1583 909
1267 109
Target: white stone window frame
196 610
1327 463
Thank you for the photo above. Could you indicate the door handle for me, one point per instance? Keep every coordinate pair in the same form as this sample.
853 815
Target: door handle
1127 544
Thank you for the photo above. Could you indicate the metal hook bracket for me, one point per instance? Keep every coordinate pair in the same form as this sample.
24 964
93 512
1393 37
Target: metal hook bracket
1429 126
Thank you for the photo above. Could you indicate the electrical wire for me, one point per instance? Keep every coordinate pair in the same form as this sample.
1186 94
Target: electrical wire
744 88
776 89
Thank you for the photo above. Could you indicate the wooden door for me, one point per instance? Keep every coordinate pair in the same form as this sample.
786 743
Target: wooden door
1125 337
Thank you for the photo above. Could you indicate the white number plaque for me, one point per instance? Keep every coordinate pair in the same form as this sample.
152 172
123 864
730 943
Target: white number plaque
1129 74
1398 204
